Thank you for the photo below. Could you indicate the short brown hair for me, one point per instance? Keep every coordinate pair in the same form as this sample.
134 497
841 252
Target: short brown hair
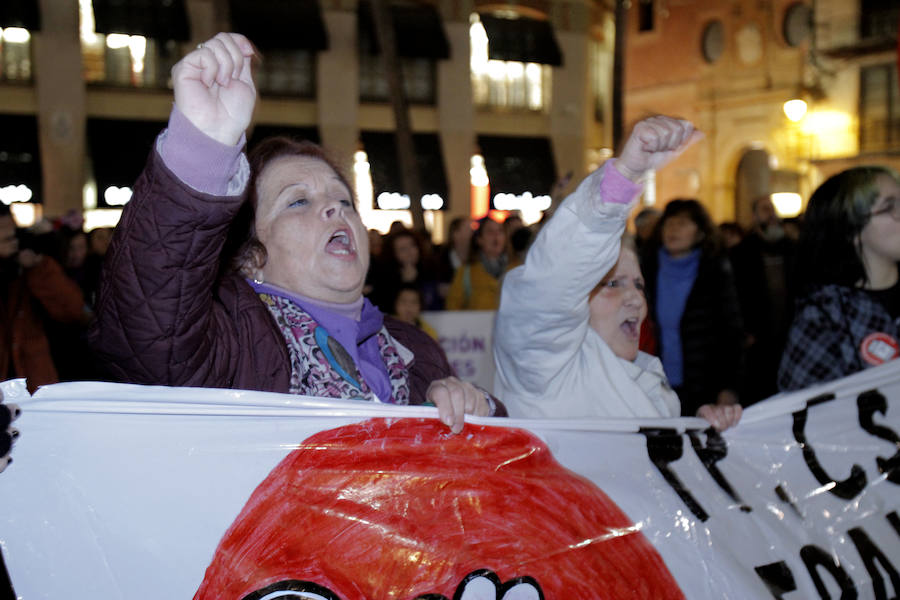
243 247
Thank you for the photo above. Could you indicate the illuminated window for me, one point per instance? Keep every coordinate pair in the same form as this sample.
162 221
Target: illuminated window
114 166
20 164
15 54
879 108
504 83
420 42
124 60
878 19
287 72
382 219
387 180
419 79
646 15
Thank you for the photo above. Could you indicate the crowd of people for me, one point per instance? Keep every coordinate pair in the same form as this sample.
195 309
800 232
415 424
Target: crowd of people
51 275
465 273
255 271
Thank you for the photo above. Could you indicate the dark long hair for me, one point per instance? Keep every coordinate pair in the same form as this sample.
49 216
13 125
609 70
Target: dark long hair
709 242
389 256
829 249
474 249
242 247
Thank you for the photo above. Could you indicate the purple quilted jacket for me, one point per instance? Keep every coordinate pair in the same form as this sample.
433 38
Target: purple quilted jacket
165 318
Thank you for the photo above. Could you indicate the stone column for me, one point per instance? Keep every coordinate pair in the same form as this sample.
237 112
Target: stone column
337 88
61 99
456 118
571 119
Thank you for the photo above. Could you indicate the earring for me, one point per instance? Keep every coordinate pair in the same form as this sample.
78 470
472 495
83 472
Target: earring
258 278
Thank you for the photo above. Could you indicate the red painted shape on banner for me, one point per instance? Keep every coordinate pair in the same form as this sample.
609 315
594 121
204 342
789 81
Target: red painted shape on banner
397 508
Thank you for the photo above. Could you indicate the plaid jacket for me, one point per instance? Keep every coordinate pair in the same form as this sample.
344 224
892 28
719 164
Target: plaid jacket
827 337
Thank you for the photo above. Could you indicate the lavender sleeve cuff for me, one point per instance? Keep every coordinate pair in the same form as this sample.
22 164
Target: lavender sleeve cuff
200 161
616 188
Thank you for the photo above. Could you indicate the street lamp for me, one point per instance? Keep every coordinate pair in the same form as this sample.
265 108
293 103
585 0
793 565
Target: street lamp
795 109
787 204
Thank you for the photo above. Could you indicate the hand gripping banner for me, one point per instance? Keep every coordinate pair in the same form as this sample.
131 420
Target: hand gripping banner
132 492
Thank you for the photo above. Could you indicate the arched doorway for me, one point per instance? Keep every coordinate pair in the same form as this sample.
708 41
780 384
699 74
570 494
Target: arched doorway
752 180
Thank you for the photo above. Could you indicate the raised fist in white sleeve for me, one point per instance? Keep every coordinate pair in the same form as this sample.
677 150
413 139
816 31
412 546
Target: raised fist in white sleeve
653 143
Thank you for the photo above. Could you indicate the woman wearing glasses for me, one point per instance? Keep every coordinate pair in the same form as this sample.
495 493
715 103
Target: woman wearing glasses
848 312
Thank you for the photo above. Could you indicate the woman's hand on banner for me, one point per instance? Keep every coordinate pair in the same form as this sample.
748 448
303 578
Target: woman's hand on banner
721 416
455 398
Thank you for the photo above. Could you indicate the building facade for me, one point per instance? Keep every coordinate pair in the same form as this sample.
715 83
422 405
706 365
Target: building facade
84 92
730 66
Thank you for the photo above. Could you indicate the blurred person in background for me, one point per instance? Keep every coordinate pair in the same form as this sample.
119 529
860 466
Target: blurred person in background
34 291
692 298
98 242
519 242
476 285
644 224
453 253
763 263
731 234
404 261
68 341
512 223
376 245
793 226
407 307
847 315
73 255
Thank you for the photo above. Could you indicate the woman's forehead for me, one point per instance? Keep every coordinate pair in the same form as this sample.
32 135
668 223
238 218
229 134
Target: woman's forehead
300 168
681 215
491 225
628 263
289 175
300 171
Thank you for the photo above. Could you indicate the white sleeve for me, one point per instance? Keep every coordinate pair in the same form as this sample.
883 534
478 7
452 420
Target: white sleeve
543 315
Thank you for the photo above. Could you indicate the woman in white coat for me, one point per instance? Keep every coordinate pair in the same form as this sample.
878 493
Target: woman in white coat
567 331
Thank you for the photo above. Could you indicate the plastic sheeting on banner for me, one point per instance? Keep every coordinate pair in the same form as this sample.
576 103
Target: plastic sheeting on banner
139 492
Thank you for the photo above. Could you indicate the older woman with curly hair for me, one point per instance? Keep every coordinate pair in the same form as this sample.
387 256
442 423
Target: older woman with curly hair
289 315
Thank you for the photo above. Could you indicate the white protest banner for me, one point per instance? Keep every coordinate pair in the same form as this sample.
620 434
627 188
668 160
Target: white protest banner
467 338
131 492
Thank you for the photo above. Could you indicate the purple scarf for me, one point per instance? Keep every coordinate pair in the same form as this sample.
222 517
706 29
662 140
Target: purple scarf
364 364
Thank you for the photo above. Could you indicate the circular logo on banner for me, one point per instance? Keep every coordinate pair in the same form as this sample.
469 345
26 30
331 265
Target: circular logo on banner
878 348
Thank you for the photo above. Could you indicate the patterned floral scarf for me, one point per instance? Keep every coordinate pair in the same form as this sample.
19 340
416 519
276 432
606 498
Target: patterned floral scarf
321 366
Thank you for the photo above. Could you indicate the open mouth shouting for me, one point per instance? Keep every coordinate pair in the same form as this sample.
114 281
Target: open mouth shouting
341 244
631 327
